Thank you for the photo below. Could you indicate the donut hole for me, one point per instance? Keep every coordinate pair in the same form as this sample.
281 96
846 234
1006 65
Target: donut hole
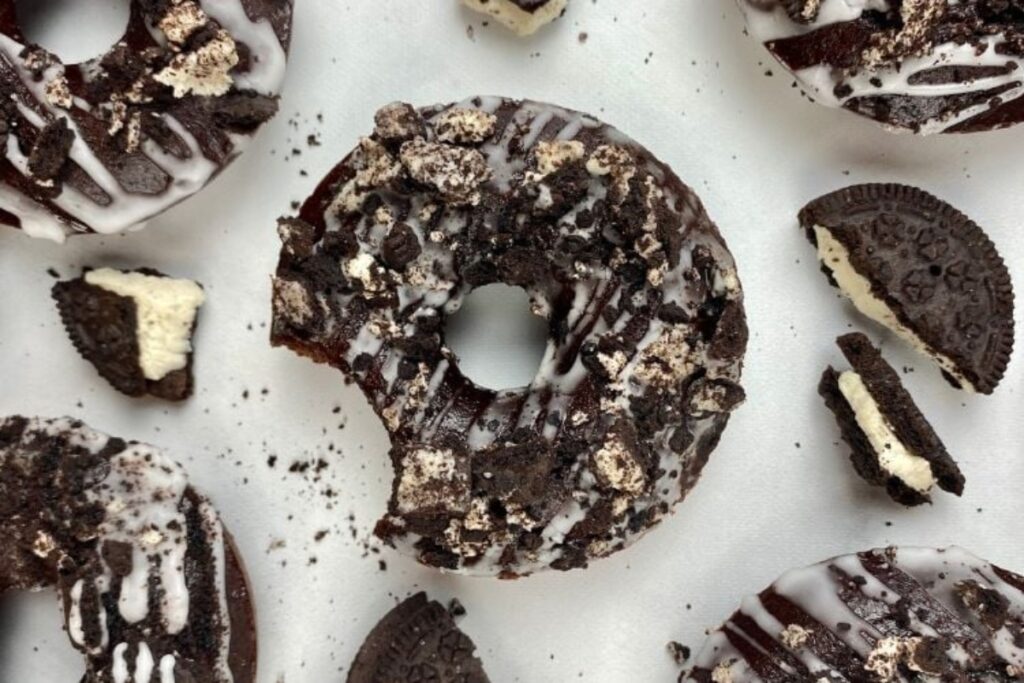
34 645
74 30
499 341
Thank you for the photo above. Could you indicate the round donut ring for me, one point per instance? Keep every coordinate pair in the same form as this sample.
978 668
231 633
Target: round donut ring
152 585
108 144
647 330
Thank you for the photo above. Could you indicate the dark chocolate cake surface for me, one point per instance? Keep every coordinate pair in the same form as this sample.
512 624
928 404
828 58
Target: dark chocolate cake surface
105 145
899 614
646 327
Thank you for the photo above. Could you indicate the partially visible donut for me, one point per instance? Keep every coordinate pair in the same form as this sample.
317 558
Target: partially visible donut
646 327
152 585
105 145
906 615
925 66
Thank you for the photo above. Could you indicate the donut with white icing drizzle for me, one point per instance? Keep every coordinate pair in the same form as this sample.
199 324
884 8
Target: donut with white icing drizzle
105 145
927 66
152 586
898 614
647 329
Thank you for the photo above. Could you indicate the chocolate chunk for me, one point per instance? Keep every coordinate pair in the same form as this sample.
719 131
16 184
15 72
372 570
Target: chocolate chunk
50 150
244 111
917 265
400 247
894 446
417 641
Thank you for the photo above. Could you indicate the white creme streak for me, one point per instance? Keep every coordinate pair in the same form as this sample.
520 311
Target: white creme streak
893 455
519 20
835 256
166 310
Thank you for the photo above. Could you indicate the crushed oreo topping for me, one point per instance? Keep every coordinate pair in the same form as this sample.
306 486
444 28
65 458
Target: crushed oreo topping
647 330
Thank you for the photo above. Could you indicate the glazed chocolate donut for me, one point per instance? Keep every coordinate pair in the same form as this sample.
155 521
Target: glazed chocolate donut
929 66
647 329
152 585
105 145
899 614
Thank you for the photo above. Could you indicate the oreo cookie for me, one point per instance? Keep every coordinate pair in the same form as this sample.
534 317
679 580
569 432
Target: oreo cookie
882 616
135 327
916 265
894 446
525 17
417 641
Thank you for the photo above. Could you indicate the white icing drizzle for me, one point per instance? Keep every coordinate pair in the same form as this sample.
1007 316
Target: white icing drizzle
891 79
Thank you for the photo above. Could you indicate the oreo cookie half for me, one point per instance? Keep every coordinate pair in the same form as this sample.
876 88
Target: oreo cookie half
916 265
135 327
893 444
525 17
417 641
882 616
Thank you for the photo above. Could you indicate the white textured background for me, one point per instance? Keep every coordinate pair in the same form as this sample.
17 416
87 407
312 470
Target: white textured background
680 76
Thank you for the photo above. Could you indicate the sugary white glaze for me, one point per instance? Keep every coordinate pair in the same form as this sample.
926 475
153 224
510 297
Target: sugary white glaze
130 210
891 78
142 495
834 255
166 310
864 620
893 455
516 18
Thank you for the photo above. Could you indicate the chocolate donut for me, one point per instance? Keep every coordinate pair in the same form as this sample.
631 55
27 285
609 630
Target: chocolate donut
152 585
105 145
647 329
928 66
899 614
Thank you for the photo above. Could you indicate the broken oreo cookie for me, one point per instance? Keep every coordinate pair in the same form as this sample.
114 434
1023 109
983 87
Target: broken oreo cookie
135 327
916 265
522 16
417 641
885 616
894 446
928 66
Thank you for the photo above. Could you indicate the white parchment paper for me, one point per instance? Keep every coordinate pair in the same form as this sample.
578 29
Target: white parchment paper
681 77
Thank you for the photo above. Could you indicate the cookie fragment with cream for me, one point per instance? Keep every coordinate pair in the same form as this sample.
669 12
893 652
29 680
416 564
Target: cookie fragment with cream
525 17
135 327
918 266
894 445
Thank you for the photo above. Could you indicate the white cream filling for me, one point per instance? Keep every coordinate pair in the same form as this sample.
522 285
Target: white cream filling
514 17
834 255
166 310
893 456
